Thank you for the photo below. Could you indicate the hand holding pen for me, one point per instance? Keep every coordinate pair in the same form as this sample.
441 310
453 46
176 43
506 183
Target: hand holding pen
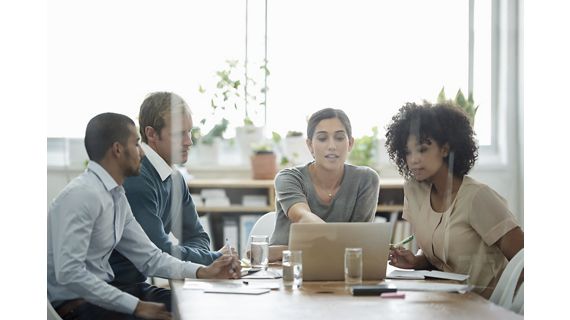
236 265
400 257
396 245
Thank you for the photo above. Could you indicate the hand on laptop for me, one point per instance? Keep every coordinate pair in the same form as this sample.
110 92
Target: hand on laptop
225 267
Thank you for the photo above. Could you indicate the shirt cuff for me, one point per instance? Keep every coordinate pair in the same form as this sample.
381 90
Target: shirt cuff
190 270
499 231
127 303
216 255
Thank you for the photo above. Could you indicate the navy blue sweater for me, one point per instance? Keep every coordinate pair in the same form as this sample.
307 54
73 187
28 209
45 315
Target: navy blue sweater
151 201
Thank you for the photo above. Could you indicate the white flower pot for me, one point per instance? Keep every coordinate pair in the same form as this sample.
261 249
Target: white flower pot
296 150
245 137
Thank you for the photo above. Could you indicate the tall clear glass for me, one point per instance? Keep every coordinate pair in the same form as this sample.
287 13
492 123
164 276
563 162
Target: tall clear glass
292 269
352 266
259 251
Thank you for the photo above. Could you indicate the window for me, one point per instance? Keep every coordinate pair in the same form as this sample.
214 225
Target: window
107 55
370 57
366 57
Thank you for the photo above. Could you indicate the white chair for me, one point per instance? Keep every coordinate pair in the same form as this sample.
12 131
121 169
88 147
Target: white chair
51 313
504 293
265 225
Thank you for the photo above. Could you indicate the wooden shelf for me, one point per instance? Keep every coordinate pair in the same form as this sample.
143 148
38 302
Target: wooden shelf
235 208
230 183
391 199
389 208
391 187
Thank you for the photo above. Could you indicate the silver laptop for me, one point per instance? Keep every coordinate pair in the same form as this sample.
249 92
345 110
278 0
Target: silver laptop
323 247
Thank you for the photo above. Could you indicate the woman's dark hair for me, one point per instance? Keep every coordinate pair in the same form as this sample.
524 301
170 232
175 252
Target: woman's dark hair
442 123
104 130
328 113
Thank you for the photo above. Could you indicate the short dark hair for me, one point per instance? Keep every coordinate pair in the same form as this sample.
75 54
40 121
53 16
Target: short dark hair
104 130
443 123
154 109
328 113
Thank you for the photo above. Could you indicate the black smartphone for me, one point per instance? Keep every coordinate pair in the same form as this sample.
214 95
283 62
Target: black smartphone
372 290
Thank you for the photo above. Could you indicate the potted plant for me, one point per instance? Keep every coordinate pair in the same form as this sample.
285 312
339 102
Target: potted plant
209 145
263 161
365 149
235 95
466 105
296 149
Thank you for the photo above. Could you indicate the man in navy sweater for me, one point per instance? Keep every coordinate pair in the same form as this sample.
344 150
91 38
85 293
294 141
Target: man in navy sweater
159 196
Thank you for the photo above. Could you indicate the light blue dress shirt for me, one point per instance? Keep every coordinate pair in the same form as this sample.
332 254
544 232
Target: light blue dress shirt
87 220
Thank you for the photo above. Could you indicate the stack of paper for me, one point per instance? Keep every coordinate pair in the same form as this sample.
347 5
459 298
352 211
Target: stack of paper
213 193
253 200
430 286
231 286
216 202
264 274
423 274
215 198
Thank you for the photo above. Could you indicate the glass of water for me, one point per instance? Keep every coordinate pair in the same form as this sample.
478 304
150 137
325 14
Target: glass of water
352 266
259 251
292 268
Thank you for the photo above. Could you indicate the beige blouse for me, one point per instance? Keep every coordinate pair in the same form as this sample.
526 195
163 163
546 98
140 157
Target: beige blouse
463 239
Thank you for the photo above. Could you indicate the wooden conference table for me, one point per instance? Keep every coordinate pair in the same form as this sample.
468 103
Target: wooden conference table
330 301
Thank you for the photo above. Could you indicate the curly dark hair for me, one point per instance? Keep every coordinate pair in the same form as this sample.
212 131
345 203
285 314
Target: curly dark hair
443 123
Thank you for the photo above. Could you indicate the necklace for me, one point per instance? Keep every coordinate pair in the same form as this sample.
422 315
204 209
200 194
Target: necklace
330 193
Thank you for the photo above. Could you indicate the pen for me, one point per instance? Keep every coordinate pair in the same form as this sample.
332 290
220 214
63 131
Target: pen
230 250
408 239
229 246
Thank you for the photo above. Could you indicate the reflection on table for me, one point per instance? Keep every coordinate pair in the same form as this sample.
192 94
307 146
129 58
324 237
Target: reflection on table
330 300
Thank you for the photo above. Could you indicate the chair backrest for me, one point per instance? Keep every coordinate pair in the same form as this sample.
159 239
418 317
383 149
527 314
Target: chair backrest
504 293
51 313
265 225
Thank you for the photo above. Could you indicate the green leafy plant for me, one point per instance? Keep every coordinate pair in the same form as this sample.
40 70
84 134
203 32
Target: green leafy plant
467 105
270 146
216 132
294 134
230 94
364 149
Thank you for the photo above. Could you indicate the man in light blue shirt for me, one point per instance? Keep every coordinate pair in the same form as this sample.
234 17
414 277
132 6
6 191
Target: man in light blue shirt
91 217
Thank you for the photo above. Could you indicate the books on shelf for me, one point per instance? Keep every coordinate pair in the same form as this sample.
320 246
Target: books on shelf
254 200
231 231
215 198
213 193
246 223
217 202
205 222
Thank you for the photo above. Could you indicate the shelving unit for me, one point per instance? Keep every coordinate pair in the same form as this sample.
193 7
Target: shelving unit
390 200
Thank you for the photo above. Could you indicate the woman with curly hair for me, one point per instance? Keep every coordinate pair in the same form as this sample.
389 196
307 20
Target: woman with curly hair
461 225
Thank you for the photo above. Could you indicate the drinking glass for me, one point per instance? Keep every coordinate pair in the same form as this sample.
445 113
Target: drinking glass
259 251
352 266
292 269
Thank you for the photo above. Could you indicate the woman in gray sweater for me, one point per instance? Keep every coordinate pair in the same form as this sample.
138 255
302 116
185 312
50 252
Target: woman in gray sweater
326 189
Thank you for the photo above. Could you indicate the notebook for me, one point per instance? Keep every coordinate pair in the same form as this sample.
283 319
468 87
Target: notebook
323 247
